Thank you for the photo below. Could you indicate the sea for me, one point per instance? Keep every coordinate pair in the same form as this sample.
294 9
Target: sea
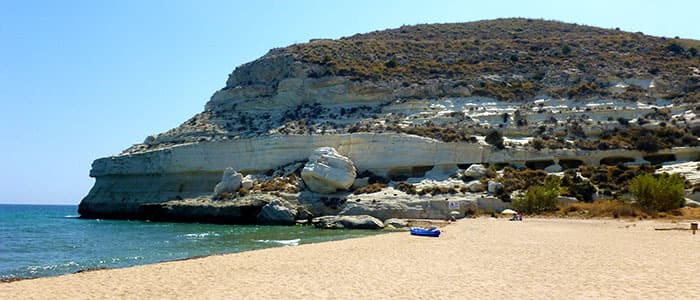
50 240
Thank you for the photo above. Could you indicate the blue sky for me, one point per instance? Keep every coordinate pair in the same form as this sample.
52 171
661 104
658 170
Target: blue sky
86 79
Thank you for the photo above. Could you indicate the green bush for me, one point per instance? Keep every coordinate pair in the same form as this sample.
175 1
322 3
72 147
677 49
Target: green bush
495 138
539 198
658 193
675 48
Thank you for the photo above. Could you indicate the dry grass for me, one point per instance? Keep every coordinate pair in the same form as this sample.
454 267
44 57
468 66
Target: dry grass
621 209
368 189
601 209
289 184
406 188
683 213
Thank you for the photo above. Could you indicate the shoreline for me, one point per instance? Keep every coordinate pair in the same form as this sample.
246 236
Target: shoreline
410 222
484 257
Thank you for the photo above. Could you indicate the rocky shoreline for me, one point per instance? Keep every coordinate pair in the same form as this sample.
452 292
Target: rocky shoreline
326 190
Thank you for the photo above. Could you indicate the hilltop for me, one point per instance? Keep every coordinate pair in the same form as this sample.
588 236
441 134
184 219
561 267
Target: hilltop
336 86
512 59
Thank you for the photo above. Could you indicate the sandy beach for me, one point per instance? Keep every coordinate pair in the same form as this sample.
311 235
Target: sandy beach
475 258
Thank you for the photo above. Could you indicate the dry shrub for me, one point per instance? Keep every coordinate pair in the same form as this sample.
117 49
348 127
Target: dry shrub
521 179
601 208
437 190
289 184
406 188
368 189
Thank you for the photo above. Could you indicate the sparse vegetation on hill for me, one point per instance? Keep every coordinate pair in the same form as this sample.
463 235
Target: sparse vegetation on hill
613 181
642 139
530 56
628 138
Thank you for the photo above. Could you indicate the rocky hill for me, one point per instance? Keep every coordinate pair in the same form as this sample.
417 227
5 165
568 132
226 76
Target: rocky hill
338 86
400 102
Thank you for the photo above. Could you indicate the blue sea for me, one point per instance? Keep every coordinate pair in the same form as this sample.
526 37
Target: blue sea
47 240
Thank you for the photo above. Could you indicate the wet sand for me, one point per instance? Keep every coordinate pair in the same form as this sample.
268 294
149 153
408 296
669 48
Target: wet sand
474 258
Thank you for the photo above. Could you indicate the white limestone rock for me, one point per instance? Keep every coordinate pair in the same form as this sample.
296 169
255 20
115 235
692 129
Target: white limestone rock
689 170
475 186
395 223
441 172
247 182
348 222
230 182
475 171
495 187
327 171
691 203
555 168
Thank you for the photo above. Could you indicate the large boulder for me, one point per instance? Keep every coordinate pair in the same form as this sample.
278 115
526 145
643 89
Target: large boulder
277 212
495 187
247 182
475 171
327 171
348 222
230 182
475 186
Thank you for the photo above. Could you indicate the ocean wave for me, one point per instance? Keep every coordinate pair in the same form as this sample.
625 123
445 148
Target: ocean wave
200 235
294 242
71 216
36 269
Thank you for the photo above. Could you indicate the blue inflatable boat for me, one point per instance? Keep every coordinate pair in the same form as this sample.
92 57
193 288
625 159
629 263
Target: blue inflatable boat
431 232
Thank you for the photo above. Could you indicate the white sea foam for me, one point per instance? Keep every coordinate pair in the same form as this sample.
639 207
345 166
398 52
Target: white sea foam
294 242
200 235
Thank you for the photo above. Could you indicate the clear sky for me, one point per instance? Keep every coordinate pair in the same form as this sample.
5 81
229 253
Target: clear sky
81 80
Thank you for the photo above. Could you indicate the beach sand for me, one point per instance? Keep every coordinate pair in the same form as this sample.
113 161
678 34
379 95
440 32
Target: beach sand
474 258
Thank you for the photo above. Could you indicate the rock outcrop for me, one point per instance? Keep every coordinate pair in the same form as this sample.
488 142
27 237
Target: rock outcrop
475 186
395 223
348 222
230 182
495 187
327 171
203 209
247 182
277 212
475 171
